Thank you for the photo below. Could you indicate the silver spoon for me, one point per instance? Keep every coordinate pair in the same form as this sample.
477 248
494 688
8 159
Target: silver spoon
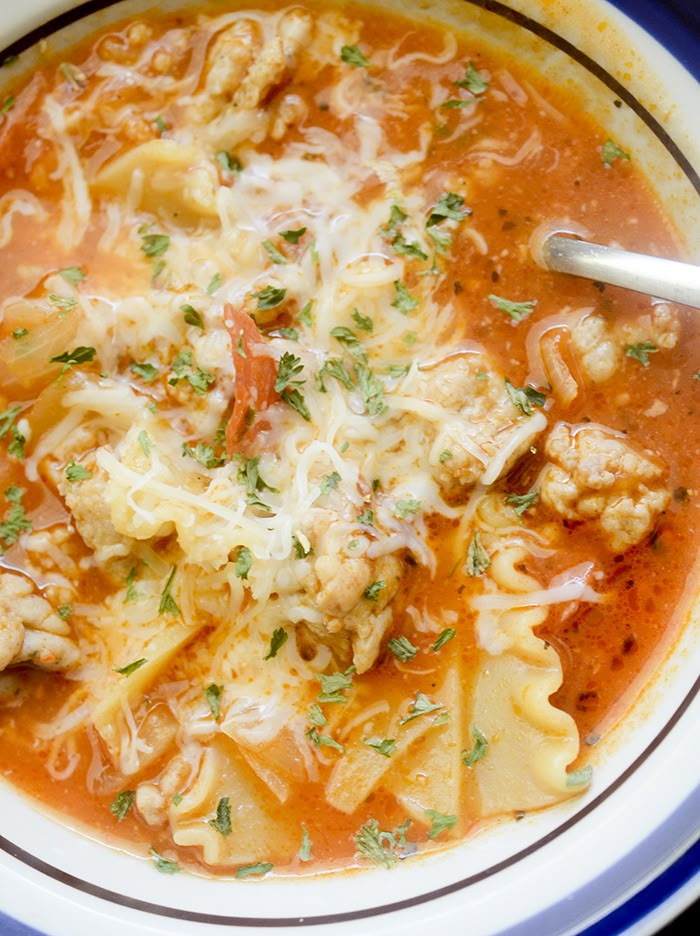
664 279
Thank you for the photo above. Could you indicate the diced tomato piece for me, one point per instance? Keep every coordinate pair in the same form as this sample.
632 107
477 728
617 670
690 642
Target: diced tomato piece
256 373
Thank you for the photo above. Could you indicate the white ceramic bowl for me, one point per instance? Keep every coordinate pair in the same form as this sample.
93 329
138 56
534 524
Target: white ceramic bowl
623 856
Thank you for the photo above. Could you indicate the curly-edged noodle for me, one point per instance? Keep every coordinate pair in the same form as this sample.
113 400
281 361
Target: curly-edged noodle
127 690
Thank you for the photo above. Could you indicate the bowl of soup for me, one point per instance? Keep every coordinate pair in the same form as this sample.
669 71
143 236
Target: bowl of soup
348 556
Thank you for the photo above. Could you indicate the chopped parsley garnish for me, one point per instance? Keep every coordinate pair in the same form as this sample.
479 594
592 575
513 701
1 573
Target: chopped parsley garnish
76 78
274 253
445 456
408 248
16 446
611 151
290 367
76 472
316 716
64 611
473 81
249 477
349 340
130 667
222 823
517 311
72 275
421 705
449 633
333 686
131 592
366 517
204 454
15 521
522 502
524 398
277 641
405 506
439 822
450 206
144 442
477 558
403 300
378 846
291 334
184 368
8 104
244 562
168 605
305 850
351 55
64 303
329 483
301 549
192 316
213 696
305 317
154 245
9 60
336 369
79 355
147 372
385 746
373 591
293 237
122 803
641 351
469 758
214 284
160 124
457 104
7 419
19 333
371 388
250 870
228 162
270 297
164 865
319 740
402 648
363 322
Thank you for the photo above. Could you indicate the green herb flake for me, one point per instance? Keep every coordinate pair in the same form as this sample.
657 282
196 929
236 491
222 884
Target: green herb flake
287 386
333 686
122 803
580 778
76 472
329 483
164 865
228 162
79 355
524 398
305 850
19 333
7 419
371 388
160 124
383 746
402 648
131 593
270 297
469 758
64 611
16 446
184 368
450 206
204 454
305 317
366 517
177 799
293 237
8 104
130 667
378 846
192 316
147 372
458 104
373 591
351 55
154 245
254 870
316 716
478 559
15 521
167 604
516 311
403 300
405 248
641 351
213 696
473 81
522 502
64 303
214 284
222 823
244 562
319 740
277 641
336 369
73 275
449 633
406 506
274 253
612 151
420 706
439 822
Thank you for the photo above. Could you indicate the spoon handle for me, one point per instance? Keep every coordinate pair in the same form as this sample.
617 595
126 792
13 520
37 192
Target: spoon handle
665 279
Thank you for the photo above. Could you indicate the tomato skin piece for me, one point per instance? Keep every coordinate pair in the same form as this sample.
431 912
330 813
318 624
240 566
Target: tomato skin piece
256 373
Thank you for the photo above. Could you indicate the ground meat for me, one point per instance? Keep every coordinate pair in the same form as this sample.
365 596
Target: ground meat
595 475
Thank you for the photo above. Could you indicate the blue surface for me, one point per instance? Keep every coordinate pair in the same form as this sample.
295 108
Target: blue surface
662 19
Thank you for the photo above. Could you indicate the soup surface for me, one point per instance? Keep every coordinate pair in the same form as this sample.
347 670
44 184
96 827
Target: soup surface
332 524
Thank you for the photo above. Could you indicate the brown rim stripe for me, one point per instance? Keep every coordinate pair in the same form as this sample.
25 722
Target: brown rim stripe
94 890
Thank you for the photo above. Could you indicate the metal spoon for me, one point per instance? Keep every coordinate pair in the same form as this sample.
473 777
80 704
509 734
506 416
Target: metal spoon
664 279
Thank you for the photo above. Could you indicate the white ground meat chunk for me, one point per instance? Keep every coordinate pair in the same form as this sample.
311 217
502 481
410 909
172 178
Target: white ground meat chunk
30 630
354 625
483 433
594 475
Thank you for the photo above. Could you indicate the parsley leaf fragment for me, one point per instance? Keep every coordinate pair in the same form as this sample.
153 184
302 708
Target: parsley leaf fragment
611 151
469 758
402 648
478 559
122 803
351 55
168 605
130 667
277 641
213 696
449 633
641 351
421 705
222 823
524 398
76 472
517 311
164 865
